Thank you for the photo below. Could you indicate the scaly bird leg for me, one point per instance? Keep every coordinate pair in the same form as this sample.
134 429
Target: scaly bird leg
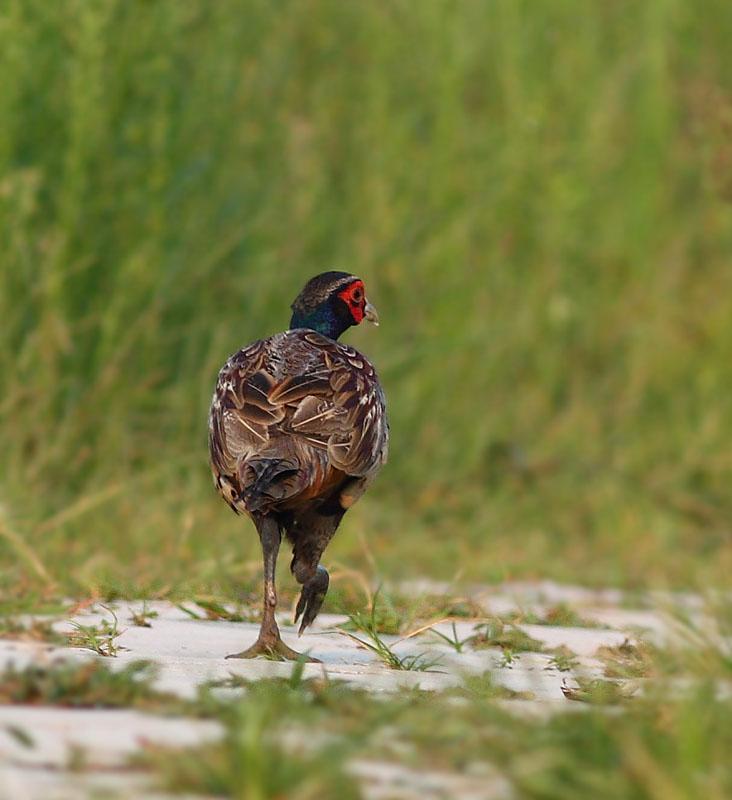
311 598
269 643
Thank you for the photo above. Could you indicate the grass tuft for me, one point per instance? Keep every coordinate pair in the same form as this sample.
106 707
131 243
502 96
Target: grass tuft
143 617
100 637
563 659
509 637
85 685
454 641
561 614
215 610
369 625
252 763
628 660
30 630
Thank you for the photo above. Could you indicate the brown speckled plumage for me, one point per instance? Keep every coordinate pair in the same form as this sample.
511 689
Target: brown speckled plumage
297 431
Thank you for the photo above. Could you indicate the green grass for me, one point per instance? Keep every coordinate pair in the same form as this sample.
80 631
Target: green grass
86 685
536 194
35 630
509 637
99 637
211 609
666 742
376 623
251 763
451 639
563 659
560 614
144 617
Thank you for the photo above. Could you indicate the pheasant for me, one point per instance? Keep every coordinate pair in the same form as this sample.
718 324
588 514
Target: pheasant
297 432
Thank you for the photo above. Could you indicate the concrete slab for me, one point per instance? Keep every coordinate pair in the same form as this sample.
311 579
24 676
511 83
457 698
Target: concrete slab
190 652
34 783
50 737
383 781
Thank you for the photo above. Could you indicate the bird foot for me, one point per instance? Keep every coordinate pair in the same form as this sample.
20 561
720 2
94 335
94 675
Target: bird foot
311 598
274 650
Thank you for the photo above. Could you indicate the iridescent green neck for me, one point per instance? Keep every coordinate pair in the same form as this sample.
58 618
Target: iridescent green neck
322 319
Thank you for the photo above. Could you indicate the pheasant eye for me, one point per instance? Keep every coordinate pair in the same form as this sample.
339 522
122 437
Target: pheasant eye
357 295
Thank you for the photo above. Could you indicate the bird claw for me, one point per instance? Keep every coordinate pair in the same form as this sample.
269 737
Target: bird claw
275 650
311 598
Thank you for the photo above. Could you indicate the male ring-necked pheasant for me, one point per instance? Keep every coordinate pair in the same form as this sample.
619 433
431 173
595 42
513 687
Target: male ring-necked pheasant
297 431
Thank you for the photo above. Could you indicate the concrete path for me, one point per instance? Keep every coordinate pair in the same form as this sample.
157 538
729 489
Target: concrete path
39 747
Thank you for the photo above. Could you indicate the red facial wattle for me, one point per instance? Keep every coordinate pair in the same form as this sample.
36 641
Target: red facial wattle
354 296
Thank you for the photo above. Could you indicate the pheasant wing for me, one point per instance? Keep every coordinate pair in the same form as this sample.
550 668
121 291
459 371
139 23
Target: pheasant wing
241 416
338 406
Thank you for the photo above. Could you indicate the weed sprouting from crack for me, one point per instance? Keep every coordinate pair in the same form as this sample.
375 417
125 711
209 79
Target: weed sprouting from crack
563 659
510 638
560 614
396 612
214 610
454 642
507 658
383 616
142 617
101 638
418 662
34 630
627 660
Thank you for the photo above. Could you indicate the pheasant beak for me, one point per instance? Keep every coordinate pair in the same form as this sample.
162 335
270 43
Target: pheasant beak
370 313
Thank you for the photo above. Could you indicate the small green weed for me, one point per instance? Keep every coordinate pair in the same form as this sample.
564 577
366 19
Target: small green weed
432 606
628 660
560 615
369 626
396 612
382 616
456 643
563 659
215 610
510 638
101 638
414 662
34 630
142 618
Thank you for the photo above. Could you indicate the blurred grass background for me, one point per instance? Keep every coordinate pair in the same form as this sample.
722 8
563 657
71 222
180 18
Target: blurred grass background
538 194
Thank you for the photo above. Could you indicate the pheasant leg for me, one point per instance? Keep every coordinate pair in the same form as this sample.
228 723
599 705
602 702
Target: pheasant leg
269 644
311 598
